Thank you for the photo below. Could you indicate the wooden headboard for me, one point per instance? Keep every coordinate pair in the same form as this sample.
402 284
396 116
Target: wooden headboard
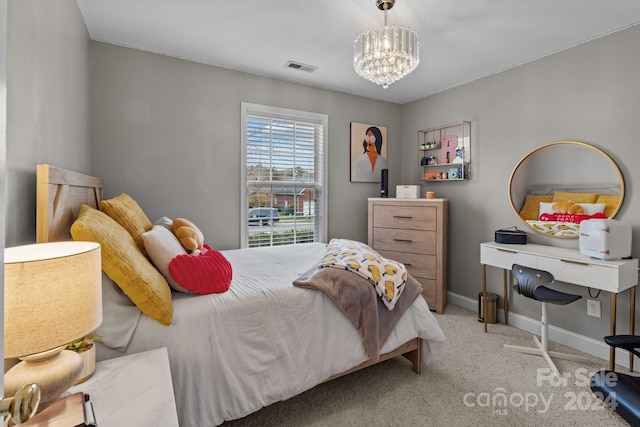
59 195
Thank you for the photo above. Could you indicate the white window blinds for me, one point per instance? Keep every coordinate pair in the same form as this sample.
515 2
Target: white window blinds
284 174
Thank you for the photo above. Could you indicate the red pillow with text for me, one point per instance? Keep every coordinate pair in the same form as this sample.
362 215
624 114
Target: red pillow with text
206 273
573 218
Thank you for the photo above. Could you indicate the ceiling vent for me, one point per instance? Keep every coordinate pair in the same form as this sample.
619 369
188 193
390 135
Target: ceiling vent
300 66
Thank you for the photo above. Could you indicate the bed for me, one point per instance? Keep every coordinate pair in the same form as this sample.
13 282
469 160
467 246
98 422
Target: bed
232 353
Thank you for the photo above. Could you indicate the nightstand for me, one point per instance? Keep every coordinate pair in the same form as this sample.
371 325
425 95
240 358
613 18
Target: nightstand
134 390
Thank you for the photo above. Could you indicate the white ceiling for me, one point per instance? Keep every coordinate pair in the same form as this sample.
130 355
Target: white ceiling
460 40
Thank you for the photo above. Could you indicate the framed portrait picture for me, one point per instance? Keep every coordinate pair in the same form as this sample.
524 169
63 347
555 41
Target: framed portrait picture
368 153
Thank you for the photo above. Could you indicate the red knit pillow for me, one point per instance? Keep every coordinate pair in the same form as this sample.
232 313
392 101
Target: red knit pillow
207 273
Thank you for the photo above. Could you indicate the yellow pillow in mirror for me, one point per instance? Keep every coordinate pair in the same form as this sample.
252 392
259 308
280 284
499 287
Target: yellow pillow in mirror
566 196
611 202
531 208
123 262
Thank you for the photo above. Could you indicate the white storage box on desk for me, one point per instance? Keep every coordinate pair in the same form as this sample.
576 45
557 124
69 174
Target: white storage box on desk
605 239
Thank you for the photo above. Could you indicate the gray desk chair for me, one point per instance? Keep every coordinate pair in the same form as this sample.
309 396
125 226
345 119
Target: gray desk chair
532 283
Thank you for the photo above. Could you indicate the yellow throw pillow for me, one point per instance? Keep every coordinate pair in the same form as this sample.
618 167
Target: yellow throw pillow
128 213
123 262
565 196
531 208
611 202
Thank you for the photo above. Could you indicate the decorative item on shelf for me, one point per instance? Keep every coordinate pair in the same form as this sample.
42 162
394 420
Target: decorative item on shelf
424 161
431 175
378 55
428 145
459 158
448 145
52 296
453 173
87 351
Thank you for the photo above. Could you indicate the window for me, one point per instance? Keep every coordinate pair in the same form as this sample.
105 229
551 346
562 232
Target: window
283 176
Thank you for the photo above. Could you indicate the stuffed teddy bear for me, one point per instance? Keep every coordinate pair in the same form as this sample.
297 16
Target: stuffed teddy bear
567 208
190 236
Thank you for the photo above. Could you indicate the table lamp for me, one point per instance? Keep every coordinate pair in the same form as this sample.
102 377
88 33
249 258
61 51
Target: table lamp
52 296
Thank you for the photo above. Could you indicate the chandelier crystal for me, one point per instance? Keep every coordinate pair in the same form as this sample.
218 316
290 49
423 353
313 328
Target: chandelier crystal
385 55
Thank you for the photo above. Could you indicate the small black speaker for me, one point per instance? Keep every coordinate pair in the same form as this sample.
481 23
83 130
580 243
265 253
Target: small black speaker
384 183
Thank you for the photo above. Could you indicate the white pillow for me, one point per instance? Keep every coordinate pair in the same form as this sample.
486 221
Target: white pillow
162 246
593 208
545 207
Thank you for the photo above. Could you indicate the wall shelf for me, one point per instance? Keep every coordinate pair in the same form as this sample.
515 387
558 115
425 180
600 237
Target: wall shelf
444 153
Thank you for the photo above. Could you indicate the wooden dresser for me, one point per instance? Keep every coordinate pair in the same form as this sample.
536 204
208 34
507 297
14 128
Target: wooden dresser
414 232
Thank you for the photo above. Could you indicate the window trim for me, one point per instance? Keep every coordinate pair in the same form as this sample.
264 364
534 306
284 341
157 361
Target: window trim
247 109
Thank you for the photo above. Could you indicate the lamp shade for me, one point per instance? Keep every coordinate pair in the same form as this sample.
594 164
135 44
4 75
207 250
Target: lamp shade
52 295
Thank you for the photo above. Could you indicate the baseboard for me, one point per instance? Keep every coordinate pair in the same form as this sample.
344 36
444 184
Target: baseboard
579 342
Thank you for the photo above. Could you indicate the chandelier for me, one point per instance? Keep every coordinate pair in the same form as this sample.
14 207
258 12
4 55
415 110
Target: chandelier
386 54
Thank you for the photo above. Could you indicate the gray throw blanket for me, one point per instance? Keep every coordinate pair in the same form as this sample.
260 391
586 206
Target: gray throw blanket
357 299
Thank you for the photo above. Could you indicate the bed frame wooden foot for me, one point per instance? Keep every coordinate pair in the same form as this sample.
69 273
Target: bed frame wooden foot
410 350
415 359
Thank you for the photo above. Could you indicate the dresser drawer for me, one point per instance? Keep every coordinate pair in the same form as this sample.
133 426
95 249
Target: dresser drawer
418 265
405 217
414 241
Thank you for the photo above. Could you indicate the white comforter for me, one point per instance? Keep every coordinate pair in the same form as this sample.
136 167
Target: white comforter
264 340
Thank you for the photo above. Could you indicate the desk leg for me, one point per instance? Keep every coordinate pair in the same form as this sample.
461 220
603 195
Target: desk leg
505 297
612 330
484 296
632 322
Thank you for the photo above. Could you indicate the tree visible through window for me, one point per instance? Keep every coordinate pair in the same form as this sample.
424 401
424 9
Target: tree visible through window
283 176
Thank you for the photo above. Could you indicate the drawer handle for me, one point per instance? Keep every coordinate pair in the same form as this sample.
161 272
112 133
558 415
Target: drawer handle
402 217
570 261
403 240
506 250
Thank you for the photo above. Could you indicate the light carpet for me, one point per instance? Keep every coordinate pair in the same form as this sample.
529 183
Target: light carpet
472 382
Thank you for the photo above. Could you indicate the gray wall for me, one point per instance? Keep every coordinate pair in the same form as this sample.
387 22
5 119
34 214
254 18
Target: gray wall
589 93
47 102
167 132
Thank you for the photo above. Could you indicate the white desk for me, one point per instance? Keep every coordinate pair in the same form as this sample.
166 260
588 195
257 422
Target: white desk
134 390
566 265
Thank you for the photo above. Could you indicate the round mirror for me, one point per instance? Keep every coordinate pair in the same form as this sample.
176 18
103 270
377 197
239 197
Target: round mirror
558 185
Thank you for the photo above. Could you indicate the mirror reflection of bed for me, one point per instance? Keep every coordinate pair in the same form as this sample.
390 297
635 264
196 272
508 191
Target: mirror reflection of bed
548 177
